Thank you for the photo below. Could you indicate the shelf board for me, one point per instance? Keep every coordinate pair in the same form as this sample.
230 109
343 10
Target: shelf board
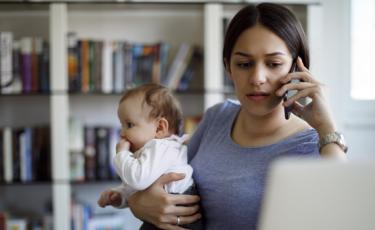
310 2
31 183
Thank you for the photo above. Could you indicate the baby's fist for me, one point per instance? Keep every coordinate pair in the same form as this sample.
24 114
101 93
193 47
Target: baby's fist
109 197
122 145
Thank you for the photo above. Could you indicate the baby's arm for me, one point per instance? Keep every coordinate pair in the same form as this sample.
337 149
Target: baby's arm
141 172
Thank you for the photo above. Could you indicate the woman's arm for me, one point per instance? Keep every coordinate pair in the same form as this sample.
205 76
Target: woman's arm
316 113
156 206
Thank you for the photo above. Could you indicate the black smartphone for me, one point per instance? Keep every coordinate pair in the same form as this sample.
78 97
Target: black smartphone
290 93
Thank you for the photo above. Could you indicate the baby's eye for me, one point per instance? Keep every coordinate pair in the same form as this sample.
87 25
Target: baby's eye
129 125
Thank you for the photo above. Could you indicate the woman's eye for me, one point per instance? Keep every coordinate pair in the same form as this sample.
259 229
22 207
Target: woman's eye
244 65
274 64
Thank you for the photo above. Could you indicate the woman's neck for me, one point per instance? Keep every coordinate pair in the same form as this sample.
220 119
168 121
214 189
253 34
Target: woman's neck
250 130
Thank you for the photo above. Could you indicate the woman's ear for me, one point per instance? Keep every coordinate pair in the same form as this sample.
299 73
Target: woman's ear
162 129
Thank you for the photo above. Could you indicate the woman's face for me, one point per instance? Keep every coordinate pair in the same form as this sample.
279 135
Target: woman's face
258 61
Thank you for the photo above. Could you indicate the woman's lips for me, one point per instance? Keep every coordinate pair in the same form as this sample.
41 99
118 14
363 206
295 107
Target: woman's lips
257 96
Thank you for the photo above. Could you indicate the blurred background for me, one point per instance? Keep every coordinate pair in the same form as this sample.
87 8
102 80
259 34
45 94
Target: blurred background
65 64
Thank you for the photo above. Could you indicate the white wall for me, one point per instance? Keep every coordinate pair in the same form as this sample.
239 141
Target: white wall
357 125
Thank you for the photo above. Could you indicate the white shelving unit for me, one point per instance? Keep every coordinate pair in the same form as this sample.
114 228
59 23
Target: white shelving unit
197 22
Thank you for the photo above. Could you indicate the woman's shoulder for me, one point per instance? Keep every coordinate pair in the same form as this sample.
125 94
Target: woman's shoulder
229 106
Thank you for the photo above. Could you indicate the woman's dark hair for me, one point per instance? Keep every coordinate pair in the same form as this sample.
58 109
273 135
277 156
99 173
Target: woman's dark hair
274 17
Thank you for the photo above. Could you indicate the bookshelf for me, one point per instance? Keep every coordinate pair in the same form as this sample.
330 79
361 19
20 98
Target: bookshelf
196 22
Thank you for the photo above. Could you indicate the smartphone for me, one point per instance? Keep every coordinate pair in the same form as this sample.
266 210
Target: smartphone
290 93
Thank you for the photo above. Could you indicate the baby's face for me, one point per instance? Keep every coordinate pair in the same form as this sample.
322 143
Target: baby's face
136 127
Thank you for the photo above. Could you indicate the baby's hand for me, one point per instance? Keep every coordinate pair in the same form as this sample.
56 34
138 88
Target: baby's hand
122 145
109 197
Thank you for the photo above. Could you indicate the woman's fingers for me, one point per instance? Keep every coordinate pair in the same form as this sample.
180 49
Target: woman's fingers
301 76
301 66
170 221
190 219
184 210
167 178
294 86
308 92
184 199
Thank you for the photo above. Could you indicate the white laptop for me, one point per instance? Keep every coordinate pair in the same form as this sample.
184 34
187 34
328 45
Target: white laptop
319 195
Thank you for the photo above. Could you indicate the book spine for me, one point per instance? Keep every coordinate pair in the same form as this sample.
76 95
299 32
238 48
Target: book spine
107 73
90 154
102 153
8 151
128 65
85 70
16 59
72 62
92 64
98 66
6 47
37 45
26 49
119 68
44 67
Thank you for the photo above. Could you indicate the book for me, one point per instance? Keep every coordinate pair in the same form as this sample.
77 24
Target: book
107 71
3 220
1 158
98 66
118 67
73 60
193 75
25 152
44 85
90 153
16 224
6 74
16 154
102 153
8 150
37 49
128 65
16 61
85 66
178 66
26 49
114 137
41 154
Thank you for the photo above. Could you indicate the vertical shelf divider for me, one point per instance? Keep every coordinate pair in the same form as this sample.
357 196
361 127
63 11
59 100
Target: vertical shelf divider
59 116
213 39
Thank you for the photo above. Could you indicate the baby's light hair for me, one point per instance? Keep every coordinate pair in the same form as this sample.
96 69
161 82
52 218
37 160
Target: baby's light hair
162 103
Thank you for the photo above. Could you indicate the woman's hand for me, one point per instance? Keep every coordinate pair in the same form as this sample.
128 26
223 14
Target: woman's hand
156 206
316 113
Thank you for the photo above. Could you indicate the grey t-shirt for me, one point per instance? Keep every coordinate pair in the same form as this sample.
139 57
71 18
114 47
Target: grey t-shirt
231 178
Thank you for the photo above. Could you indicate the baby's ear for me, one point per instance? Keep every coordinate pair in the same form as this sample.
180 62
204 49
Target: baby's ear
162 129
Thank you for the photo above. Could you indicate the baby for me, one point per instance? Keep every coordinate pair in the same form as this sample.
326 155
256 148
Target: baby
149 146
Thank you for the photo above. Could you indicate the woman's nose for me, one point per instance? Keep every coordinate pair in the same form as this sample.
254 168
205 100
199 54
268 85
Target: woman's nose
258 76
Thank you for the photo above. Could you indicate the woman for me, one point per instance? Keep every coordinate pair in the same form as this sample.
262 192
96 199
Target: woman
236 141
